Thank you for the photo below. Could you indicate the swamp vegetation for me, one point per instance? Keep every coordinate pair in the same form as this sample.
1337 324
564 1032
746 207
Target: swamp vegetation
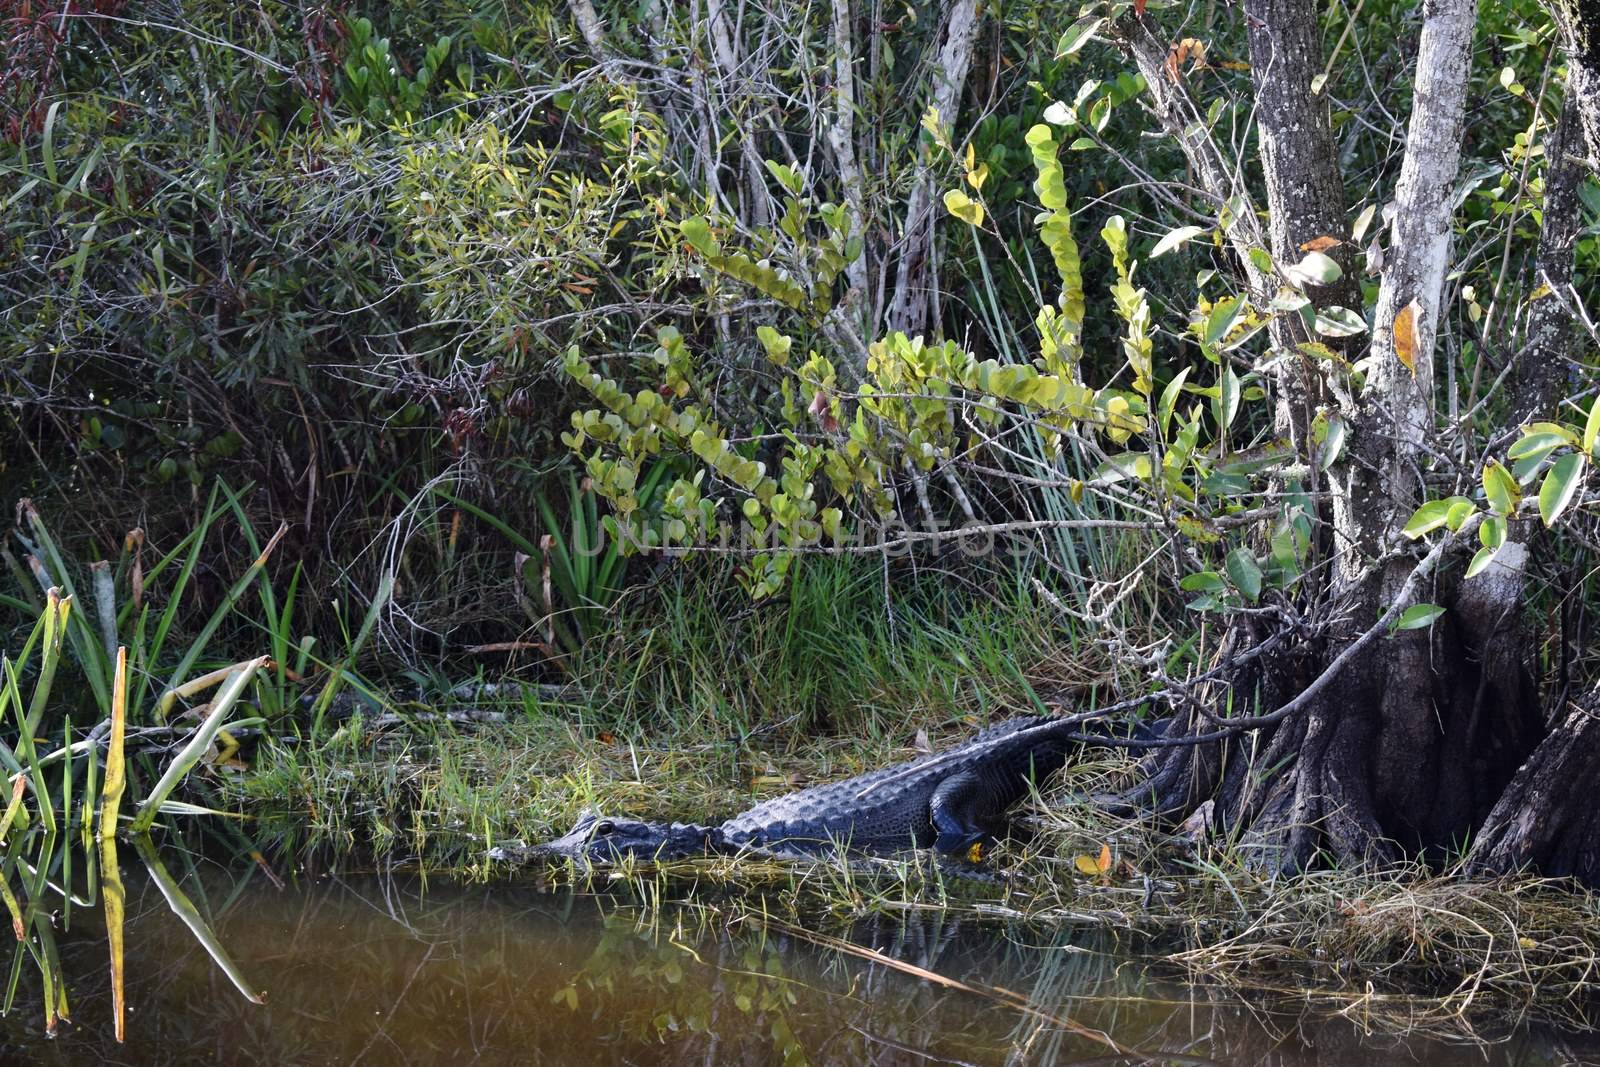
422 421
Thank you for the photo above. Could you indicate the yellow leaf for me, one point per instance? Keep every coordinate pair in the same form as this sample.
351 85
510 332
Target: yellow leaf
963 207
1087 865
1104 862
1405 335
978 175
975 853
971 159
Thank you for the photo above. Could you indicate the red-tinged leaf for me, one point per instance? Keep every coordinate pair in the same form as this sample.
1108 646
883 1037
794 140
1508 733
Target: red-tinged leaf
1321 244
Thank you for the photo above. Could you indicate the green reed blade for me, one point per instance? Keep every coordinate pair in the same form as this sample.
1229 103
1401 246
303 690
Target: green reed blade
67 767
116 761
50 965
158 640
85 644
110 874
19 788
14 908
184 909
201 639
56 613
24 583
22 952
199 744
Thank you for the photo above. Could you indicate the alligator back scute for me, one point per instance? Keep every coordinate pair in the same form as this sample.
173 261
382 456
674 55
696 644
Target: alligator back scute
885 809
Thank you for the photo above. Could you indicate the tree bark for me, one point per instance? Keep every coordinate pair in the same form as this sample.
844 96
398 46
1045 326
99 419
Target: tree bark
1304 191
1543 818
1536 822
1579 22
842 139
1407 745
909 304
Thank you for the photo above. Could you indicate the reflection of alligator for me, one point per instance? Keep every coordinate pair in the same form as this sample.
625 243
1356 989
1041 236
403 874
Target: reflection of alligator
951 801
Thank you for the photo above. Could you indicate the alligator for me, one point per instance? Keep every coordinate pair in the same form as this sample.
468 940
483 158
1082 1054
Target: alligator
950 801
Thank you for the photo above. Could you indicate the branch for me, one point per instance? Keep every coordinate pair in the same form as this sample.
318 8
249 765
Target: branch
909 309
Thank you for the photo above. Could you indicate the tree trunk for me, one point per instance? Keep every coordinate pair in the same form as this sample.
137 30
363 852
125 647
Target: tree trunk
1579 22
910 301
1536 822
1543 819
1406 744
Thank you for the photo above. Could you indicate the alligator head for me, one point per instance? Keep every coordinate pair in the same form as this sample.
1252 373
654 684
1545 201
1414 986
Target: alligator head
603 840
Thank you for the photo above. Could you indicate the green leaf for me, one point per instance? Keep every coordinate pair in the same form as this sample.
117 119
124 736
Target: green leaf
1534 445
1418 616
1500 489
697 232
1245 572
1428 517
1591 429
1338 430
777 344
1223 315
1176 239
1460 510
1492 533
1169 399
1227 404
1078 34
1203 582
1316 268
788 177
1480 561
1334 321
1560 486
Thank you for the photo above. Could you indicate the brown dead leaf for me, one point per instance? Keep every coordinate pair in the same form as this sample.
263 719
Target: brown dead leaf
1321 244
1405 335
1184 51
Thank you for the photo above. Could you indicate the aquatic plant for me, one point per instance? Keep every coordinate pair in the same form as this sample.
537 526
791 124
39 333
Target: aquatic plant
68 783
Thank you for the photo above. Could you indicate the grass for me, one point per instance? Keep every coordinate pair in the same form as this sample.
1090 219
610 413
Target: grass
839 655
690 708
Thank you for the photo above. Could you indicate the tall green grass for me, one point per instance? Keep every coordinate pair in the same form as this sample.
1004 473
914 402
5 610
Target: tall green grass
846 650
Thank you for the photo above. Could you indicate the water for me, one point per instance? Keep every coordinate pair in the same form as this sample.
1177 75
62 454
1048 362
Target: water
377 971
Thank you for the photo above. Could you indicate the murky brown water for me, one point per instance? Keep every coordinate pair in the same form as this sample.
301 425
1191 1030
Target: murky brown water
374 971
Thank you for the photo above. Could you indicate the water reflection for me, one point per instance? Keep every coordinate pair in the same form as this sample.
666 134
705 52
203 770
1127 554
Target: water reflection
372 971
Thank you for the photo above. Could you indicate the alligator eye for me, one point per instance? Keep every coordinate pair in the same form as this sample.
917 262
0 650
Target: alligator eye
604 826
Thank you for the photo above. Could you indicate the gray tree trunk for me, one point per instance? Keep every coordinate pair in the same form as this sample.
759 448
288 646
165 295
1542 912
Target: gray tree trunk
1408 744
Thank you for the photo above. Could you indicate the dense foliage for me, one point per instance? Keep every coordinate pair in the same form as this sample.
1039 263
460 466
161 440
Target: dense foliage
359 259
